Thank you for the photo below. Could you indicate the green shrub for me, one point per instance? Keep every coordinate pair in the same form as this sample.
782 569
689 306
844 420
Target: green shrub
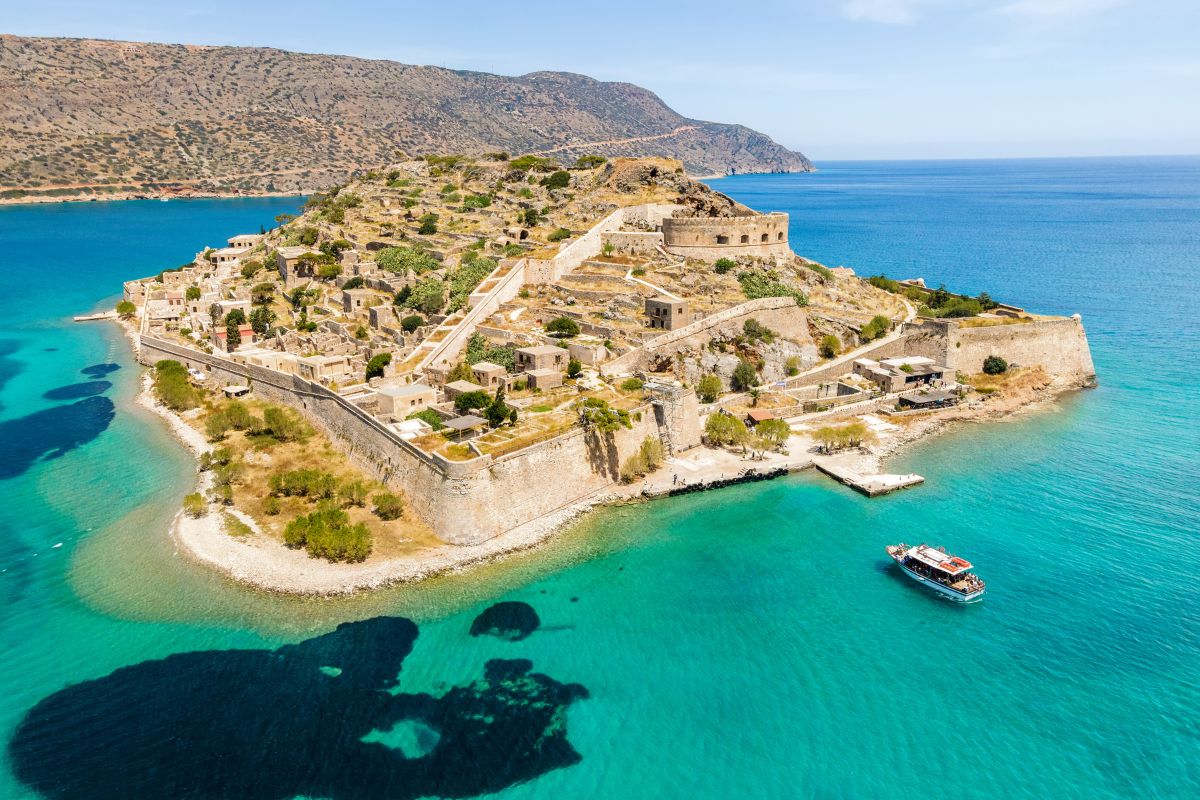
353 493
480 349
172 387
377 364
327 533
249 270
758 284
589 162
564 327
411 322
388 506
194 505
744 375
314 484
559 179
830 346
574 368
709 388
192 293
885 283
558 234
596 414
469 401
427 296
357 282
755 331
723 265
126 309
477 201
792 365
632 384
532 163
271 505
430 416
876 328
820 269
469 274
995 365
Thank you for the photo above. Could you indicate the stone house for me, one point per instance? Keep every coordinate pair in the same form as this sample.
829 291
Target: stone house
900 374
322 369
220 338
587 354
292 269
544 356
357 300
666 313
400 400
244 241
381 316
455 388
489 375
544 378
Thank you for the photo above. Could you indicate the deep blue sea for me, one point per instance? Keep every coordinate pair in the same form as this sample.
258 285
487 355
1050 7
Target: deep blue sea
748 643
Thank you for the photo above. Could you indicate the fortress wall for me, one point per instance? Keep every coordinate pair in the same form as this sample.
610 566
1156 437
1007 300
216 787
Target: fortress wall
1059 344
464 502
780 314
640 243
448 349
761 235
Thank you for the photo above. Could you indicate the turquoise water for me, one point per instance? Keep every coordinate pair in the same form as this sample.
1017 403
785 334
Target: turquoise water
750 642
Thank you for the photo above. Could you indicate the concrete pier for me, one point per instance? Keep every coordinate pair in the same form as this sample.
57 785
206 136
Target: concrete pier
870 485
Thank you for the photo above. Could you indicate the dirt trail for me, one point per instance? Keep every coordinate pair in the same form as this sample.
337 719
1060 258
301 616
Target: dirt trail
607 142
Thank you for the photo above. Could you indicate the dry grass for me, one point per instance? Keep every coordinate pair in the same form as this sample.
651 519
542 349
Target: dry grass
988 322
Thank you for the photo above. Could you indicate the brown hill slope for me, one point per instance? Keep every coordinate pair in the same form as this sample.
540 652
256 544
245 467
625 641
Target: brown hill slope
91 116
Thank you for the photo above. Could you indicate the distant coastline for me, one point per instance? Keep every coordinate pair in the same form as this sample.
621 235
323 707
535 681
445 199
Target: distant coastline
39 199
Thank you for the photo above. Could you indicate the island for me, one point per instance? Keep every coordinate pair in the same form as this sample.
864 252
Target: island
446 359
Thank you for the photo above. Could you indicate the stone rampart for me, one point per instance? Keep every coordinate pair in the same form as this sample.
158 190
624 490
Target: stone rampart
780 314
1059 344
761 235
636 243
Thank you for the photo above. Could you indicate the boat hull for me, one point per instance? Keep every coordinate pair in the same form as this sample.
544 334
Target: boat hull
942 589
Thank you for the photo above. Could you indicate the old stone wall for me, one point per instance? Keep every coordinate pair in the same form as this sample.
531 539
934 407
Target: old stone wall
761 235
1059 344
464 502
780 314
637 243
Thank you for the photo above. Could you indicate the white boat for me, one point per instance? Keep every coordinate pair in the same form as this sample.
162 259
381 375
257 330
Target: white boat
940 571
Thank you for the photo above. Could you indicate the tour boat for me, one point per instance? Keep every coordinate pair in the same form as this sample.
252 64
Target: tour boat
940 571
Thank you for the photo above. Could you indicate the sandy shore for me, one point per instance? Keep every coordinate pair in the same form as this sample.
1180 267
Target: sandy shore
265 563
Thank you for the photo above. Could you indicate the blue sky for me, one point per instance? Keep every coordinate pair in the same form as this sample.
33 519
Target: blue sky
834 78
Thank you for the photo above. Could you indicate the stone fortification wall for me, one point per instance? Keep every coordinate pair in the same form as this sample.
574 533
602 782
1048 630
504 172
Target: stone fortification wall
760 235
1059 344
464 502
780 314
636 243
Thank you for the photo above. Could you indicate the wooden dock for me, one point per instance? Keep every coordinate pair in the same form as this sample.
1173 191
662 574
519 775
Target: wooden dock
96 316
870 485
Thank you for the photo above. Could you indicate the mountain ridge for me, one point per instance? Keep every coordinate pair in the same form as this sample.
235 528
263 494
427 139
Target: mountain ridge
99 117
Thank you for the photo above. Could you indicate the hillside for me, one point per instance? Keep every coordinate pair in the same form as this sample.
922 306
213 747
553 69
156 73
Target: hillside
94 117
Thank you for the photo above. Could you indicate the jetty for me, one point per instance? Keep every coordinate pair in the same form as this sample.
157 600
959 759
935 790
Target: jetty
110 314
872 485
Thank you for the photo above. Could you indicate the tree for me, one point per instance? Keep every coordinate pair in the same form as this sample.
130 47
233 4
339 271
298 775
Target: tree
460 372
755 331
428 224
353 493
744 375
194 505
233 333
709 388
308 236
574 368
754 395
261 318
830 346
589 161
876 328
411 322
329 271
531 217
357 282
775 431
262 294
723 265
563 327
724 429
126 309
427 296
469 401
632 384
995 365
377 364
498 412
388 506
236 317
192 293
251 268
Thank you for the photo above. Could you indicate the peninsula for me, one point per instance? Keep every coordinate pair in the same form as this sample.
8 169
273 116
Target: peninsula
446 358
88 119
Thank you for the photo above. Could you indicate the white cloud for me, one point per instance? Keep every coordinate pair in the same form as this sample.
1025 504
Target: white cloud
1048 9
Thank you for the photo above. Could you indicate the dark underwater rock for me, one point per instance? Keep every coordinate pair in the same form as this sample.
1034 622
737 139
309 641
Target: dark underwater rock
511 620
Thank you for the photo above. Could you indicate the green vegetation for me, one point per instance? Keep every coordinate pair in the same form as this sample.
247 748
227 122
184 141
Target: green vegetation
559 179
887 284
388 506
475 201
597 415
876 328
470 401
709 388
471 272
261 318
744 375
172 387
995 365
532 163
589 162
428 224
327 533
941 304
792 365
262 294
377 364
500 412
775 431
723 265
411 322
126 309
480 349
194 505
758 284
313 484
562 327
357 282
192 293
429 416
830 346
427 296
832 438
648 458
574 367
820 269
755 331
234 526
403 260
530 217
558 234
248 271
632 384
724 429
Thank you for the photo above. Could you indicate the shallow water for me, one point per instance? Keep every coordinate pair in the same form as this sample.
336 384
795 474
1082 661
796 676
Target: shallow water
750 642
